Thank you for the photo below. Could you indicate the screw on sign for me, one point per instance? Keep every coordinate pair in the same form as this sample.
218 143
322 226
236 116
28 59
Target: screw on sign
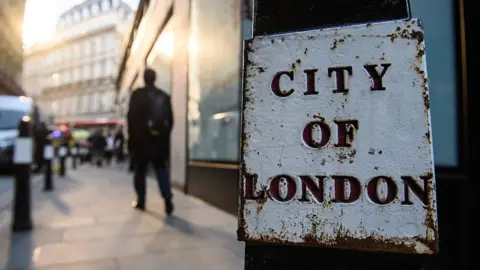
336 147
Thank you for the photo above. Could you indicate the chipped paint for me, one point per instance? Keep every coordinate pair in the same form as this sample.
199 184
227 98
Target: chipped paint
393 140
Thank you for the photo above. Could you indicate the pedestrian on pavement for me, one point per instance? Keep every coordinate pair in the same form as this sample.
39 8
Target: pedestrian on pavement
150 122
109 148
41 133
97 146
119 144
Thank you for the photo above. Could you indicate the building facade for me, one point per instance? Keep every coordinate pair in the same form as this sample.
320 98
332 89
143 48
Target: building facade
11 47
73 75
196 46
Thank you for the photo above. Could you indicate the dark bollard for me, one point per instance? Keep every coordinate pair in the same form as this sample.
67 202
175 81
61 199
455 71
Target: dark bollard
74 154
48 156
22 158
62 155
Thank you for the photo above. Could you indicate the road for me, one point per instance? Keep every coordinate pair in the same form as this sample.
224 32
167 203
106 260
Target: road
6 183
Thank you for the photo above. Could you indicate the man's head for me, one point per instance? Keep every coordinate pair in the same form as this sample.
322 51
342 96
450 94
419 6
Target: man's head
149 76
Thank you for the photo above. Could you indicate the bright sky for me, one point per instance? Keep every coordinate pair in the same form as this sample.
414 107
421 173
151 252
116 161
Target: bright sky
41 18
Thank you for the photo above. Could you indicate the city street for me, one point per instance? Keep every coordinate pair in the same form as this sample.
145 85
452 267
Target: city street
88 223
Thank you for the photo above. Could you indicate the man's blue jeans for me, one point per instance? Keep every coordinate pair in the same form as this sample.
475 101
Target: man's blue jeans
163 179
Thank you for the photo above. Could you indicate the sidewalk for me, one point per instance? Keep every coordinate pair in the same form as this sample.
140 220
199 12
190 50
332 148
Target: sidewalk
88 223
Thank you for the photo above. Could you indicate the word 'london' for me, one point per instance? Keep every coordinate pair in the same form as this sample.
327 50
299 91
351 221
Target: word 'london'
347 189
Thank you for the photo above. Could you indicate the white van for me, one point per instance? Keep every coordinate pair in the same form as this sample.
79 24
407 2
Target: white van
12 109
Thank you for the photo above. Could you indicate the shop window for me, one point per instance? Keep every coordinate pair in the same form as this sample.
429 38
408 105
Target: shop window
160 58
438 18
214 80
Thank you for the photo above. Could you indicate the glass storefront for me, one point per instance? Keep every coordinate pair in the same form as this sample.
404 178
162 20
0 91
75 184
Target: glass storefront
160 58
214 80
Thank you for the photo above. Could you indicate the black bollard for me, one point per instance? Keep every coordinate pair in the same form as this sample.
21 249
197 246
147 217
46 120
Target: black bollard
23 155
74 155
62 155
48 156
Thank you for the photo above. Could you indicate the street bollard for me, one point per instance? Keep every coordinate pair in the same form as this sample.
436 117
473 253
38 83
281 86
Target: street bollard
48 155
62 155
22 157
346 194
74 155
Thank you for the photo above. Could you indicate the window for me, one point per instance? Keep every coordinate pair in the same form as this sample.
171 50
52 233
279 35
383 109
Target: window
97 72
80 74
85 103
438 18
160 58
95 8
54 107
79 104
105 5
214 82
77 15
109 68
115 3
76 74
74 105
92 47
102 68
86 72
86 12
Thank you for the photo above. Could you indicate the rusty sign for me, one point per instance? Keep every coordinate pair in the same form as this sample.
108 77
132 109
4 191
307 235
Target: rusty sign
336 140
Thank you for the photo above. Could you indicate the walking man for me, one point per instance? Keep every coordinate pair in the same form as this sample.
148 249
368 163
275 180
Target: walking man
119 142
150 122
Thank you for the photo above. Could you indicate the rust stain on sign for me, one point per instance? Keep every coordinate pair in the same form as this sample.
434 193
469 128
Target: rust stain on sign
336 140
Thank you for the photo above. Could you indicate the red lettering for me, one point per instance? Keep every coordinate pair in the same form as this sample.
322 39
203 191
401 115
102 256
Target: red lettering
276 84
340 78
377 84
340 189
316 190
324 131
310 81
291 186
345 132
410 184
250 183
372 190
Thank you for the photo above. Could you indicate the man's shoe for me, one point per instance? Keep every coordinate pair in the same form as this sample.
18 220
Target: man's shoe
169 207
138 206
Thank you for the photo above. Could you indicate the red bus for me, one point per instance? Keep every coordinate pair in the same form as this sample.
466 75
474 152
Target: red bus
91 125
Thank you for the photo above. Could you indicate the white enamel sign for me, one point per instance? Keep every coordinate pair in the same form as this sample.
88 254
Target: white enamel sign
23 151
336 140
48 152
62 151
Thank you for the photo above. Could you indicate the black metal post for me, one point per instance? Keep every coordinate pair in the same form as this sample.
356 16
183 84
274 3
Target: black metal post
62 154
74 155
275 17
23 155
48 156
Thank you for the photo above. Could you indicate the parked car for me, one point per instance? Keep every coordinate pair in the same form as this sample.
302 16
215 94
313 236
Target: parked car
12 109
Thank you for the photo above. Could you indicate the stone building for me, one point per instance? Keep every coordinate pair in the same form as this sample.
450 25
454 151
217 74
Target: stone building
11 49
73 74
